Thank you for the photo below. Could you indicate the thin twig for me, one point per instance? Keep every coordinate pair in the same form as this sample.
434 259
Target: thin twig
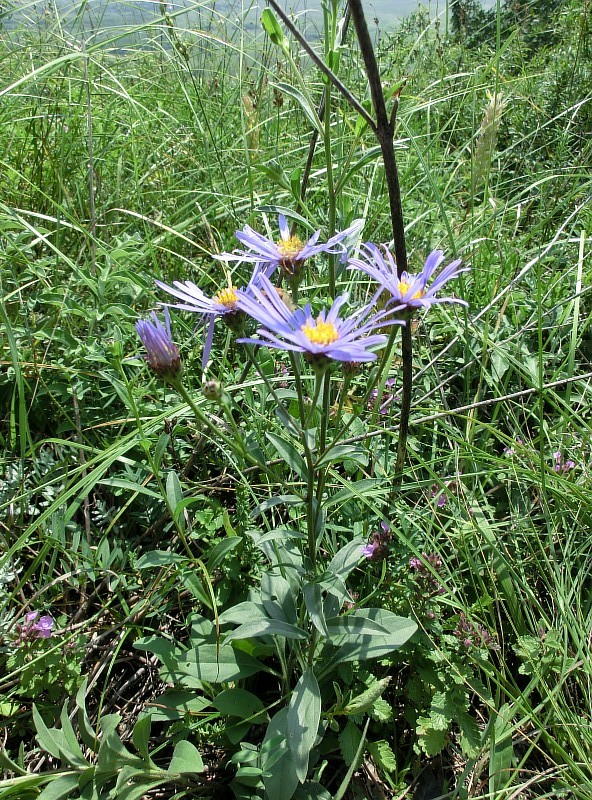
321 64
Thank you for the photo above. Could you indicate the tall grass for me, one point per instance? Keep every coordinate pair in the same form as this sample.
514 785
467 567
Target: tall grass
124 160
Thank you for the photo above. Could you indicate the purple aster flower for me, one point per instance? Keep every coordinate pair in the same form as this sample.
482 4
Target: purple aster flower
408 291
328 335
224 304
162 354
289 252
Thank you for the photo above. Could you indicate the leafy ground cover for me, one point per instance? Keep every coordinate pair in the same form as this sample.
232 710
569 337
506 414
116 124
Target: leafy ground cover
217 582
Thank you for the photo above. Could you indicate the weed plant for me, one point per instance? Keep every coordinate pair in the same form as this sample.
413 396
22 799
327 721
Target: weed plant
196 566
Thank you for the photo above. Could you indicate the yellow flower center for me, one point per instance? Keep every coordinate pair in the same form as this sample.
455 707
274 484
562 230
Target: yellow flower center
404 287
227 297
290 248
322 333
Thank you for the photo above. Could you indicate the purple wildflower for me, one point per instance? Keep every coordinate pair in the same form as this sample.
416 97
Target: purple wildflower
510 450
289 252
470 633
162 354
224 304
327 336
369 549
561 465
387 399
377 549
407 292
34 628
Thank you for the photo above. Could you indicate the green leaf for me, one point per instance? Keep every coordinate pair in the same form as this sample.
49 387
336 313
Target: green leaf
349 742
290 455
113 754
272 28
303 102
501 751
219 552
56 742
354 624
280 778
159 558
313 599
237 702
186 759
266 627
213 665
366 700
141 736
431 741
176 704
247 611
358 647
381 711
344 452
347 558
302 723
174 494
312 790
383 755
277 598
60 787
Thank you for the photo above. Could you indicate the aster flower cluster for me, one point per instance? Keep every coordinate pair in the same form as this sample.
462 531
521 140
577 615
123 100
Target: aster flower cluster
34 627
328 335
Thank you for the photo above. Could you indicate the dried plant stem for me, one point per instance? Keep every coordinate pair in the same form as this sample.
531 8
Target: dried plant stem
385 131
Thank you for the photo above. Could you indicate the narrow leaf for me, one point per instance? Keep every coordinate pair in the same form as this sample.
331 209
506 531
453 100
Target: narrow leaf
304 715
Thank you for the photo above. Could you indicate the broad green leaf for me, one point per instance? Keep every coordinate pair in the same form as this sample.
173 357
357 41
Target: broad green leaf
59 788
208 663
302 722
272 28
313 599
347 558
243 612
312 790
358 647
383 755
237 702
354 624
349 742
344 452
141 736
267 627
280 778
219 552
174 494
186 758
304 104
55 742
277 598
159 558
290 424
290 455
